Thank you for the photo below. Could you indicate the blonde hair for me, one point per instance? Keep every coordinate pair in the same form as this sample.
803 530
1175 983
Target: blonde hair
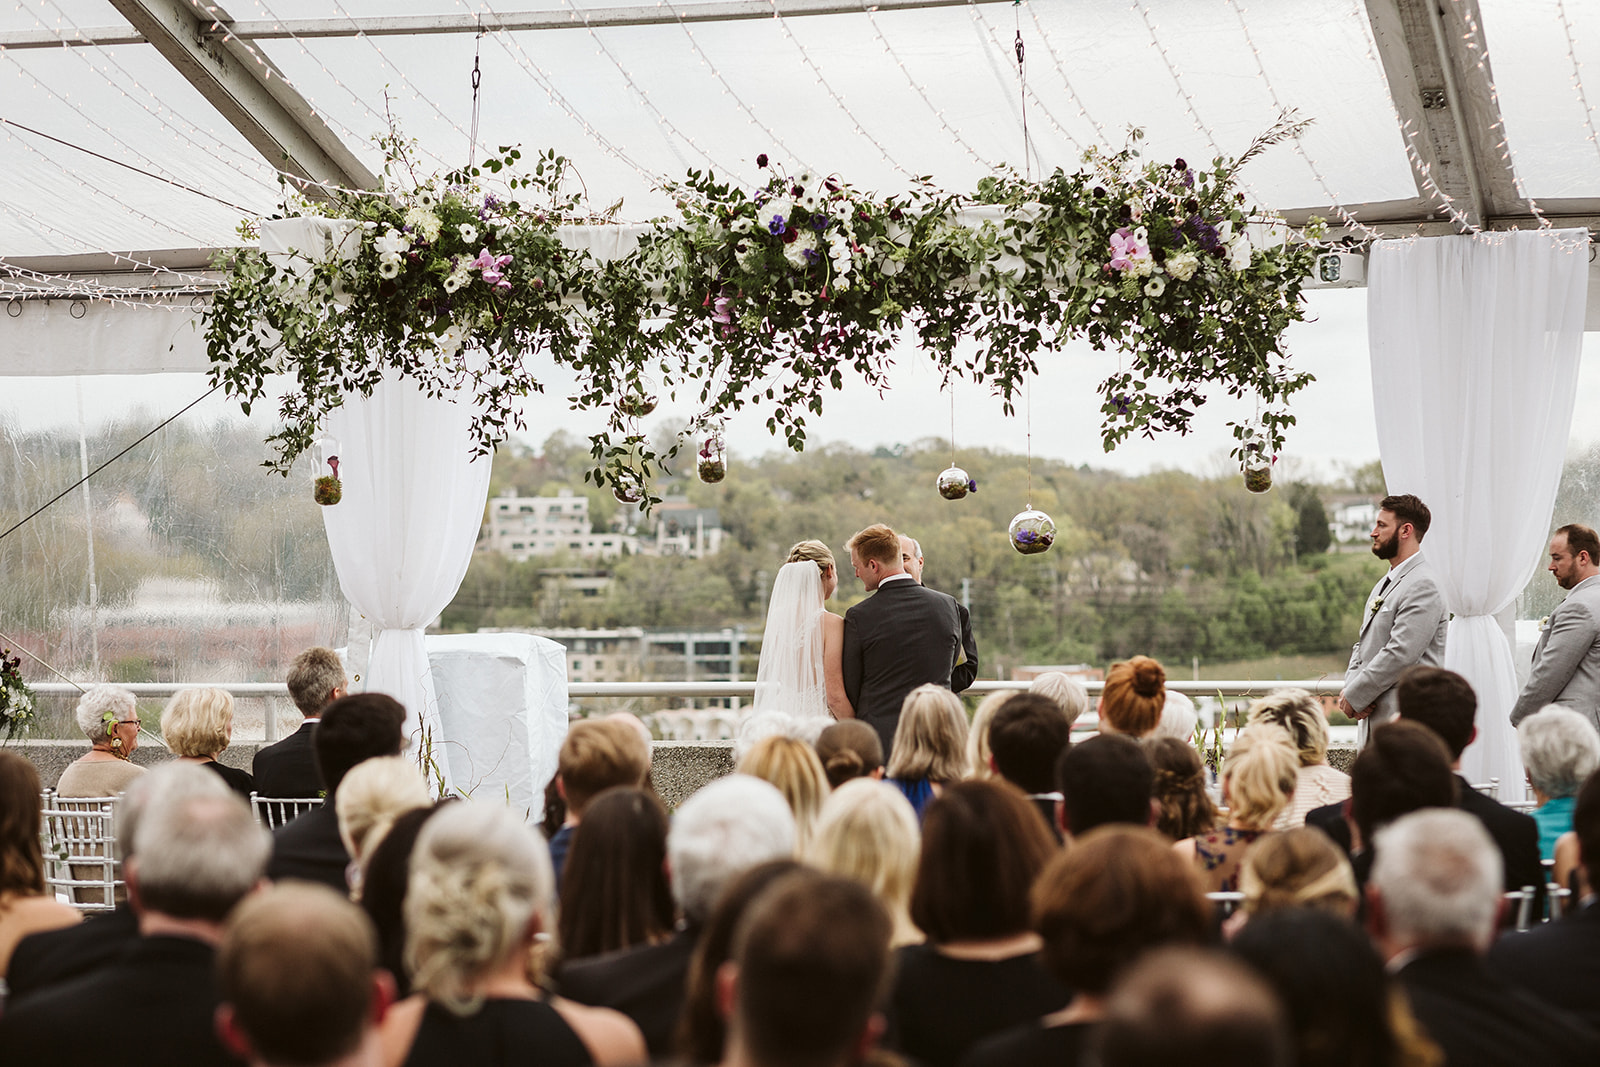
978 733
1134 697
876 542
1298 712
479 876
931 740
794 768
1299 868
868 832
1068 693
198 722
370 798
814 551
1260 775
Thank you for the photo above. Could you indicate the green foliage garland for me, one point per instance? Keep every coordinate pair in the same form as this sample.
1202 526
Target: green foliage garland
766 299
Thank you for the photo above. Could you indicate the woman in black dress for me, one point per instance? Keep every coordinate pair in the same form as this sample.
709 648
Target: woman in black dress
481 893
197 726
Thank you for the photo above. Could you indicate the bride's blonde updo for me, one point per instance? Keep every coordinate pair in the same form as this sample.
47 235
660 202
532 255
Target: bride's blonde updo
814 551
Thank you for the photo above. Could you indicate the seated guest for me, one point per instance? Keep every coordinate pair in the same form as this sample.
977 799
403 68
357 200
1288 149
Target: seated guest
930 745
481 893
1112 896
1560 749
1194 1007
288 768
1134 697
598 754
1179 717
383 890
24 907
1258 781
793 767
371 797
615 895
729 826
1183 807
1299 868
197 725
849 749
810 963
1344 1009
978 733
1559 962
702 1032
979 972
1067 692
196 854
1431 910
867 831
1316 784
1026 737
1106 779
1444 702
42 961
353 729
109 717
299 978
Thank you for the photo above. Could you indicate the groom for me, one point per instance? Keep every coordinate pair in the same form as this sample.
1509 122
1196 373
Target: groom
901 637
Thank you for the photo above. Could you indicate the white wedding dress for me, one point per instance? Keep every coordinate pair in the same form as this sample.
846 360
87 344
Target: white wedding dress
790 676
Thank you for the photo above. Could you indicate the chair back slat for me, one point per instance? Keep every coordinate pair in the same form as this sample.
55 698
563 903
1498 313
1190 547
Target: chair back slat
80 858
273 812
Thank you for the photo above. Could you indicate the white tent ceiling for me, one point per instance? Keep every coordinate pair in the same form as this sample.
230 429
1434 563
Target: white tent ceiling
876 93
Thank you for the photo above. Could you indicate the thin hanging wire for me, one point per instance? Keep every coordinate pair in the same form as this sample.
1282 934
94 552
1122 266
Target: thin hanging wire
477 80
1022 90
952 422
1027 407
42 663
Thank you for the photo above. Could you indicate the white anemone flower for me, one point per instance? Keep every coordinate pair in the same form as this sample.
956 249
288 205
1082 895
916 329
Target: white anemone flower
469 232
389 266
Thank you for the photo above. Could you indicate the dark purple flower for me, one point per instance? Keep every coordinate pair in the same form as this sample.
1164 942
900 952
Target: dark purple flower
894 213
830 184
797 190
1099 191
813 257
819 222
761 160
972 485
1179 164
1188 179
1026 537
1120 402
776 226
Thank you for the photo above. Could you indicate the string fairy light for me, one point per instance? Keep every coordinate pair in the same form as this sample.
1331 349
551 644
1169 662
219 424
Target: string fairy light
982 25
1577 75
1066 81
1474 42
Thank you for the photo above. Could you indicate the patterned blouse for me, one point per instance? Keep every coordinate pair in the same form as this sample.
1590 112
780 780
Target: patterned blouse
1218 854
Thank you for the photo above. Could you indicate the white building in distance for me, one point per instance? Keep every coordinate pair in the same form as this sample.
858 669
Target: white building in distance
525 526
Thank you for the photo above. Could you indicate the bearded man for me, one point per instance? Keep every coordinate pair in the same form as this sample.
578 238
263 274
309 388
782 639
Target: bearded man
1566 661
1404 621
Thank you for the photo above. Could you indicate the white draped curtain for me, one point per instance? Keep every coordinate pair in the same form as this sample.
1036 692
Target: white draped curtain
403 534
1475 344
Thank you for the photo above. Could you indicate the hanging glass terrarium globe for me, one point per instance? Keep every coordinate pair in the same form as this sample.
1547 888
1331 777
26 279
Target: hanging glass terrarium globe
712 463
1032 532
637 404
955 483
627 488
326 488
1257 473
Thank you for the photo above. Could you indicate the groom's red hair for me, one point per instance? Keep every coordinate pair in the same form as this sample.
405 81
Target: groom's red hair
876 542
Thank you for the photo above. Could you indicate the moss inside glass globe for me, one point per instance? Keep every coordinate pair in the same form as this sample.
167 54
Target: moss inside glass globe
1032 532
953 483
1258 474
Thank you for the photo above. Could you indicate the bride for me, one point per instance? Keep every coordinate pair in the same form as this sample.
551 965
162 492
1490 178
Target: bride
801 650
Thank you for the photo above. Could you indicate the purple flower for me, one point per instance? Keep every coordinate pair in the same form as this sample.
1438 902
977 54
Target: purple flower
972 485
777 225
813 257
719 310
761 160
819 222
1120 402
1179 164
492 267
1026 537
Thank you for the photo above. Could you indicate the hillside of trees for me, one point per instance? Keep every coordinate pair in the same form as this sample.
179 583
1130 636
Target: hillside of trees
1169 564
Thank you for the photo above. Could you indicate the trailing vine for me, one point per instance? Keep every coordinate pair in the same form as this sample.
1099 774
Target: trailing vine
767 298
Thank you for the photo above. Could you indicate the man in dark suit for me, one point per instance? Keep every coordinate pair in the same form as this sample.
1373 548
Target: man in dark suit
966 668
901 637
1432 903
289 768
730 826
1559 962
353 729
197 853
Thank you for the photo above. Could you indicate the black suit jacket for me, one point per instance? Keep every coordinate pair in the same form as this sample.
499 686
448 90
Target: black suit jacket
899 638
41 961
965 673
310 849
1480 1022
1559 963
288 768
152 1007
645 983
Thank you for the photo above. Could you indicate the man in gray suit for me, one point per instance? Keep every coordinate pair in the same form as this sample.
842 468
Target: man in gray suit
1404 621
1566 661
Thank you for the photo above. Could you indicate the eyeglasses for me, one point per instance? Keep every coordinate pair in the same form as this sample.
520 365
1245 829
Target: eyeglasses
129 722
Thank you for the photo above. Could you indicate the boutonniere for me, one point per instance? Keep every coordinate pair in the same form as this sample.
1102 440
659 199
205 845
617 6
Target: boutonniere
1376 606
1544 624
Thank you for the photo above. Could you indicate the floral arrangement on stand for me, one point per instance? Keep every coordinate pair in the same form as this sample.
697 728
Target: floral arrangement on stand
766 298
16 698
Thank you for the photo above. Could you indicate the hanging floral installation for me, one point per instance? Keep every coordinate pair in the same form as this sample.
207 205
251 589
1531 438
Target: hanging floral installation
767 298
16 697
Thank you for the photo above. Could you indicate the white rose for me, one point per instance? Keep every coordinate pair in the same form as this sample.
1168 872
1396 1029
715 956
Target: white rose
1183 265
1143 266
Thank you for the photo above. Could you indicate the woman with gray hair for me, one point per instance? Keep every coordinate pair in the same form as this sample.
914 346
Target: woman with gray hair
481 894
109 718
1316 783
1560 749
